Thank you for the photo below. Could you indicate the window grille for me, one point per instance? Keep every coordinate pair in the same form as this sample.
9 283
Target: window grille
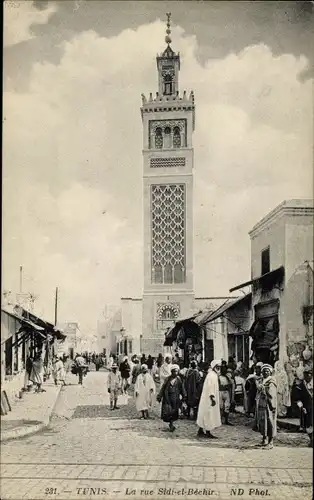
167 162
176 138
158 139
168 233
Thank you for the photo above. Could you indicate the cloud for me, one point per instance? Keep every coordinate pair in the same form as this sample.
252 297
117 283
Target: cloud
72 176
19 18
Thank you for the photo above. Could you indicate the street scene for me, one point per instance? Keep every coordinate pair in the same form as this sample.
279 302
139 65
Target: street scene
88 446
157 297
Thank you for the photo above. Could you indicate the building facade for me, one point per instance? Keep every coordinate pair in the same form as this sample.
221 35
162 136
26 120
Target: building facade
282 285
168 124
24 334
227 330
73 342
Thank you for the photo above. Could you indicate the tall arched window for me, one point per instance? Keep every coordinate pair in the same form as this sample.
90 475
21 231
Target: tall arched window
167 137
176 137
158 138
168 85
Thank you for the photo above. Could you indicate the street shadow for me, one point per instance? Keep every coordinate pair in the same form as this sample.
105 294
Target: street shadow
238 436
102 411
14 424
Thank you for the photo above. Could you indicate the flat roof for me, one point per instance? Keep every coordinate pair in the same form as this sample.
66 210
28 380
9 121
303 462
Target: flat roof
292 207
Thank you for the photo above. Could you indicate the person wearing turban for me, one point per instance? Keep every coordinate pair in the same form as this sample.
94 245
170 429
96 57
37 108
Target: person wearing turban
165 369
251 388
208 417
266 409
171 396
144 391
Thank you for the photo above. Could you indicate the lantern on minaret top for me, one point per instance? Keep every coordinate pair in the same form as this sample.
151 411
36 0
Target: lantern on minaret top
168 65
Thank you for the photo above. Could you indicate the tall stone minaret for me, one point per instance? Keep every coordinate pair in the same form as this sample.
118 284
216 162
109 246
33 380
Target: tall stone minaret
168 125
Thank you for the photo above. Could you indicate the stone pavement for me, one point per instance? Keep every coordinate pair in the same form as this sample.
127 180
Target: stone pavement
292 424
31 413
112 454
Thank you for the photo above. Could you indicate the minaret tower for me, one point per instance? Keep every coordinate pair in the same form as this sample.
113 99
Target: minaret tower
168 125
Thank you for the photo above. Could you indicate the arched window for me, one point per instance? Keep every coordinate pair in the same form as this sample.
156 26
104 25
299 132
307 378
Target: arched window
168 85
166 318
176 137
168 313
158 138
167 137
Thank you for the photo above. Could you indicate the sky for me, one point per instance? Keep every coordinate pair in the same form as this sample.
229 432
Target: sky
74 72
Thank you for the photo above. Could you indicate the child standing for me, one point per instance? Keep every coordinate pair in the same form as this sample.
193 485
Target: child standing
114 386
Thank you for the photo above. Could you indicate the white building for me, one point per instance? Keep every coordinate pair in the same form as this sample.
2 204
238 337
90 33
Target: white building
282 284
72 344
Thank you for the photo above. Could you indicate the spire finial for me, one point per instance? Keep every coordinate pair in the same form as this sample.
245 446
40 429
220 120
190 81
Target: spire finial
168 30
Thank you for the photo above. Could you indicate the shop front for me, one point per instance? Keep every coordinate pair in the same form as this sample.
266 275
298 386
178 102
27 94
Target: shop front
265 333
186 339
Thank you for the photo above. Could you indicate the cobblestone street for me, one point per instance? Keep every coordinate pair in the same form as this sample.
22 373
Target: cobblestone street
111 454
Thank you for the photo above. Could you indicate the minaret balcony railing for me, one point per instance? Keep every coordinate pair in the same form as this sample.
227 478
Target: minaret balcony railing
158 98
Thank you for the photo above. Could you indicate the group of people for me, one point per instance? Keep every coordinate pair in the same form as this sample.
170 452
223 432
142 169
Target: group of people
208 397
38 370
274 393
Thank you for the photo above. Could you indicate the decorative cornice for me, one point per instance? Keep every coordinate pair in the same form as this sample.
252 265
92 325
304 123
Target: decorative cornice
286 208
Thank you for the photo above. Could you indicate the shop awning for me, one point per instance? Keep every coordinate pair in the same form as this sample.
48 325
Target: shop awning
269 279
33 325
209 316
44 328
187 328
170 337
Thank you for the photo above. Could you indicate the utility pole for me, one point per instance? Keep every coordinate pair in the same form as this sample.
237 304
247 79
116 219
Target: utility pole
56 307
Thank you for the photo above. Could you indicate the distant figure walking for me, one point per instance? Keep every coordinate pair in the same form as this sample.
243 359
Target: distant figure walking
125 371
136 370
81 367
37 373
28 371
114 386
58 371
150 363
144 391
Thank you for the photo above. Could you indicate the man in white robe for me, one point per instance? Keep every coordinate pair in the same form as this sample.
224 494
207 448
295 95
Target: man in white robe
208 417
165 369
144 391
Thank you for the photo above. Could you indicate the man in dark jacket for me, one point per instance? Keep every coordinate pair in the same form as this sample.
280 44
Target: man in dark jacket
193 388
125 371
305 403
